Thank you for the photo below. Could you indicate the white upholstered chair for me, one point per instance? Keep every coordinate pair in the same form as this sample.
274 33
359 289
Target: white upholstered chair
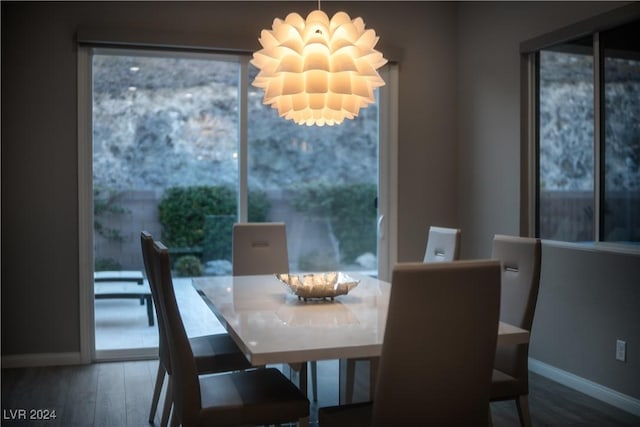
521 260
261 248
443 244
438 349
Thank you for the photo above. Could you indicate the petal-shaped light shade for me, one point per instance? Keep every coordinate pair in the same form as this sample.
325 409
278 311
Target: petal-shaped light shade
318 71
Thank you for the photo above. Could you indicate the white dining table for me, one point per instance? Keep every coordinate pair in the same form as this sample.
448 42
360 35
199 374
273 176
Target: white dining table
272 326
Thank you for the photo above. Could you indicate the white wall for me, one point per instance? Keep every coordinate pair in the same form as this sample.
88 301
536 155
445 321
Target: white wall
587 299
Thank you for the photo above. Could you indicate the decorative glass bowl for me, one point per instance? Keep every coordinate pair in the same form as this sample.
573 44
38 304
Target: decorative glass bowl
318 285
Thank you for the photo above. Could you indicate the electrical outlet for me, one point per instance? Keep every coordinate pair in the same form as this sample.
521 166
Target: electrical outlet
621 350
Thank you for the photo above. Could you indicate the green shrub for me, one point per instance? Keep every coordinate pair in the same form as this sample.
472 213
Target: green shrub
218 231
189 266
105 205
259 206
183 213
317 261
351 211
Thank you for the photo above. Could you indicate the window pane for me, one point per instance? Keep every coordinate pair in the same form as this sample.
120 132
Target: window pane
321 181
622 135
164 153
164 160
566 125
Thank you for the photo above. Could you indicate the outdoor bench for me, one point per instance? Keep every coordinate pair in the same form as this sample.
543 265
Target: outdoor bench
117 284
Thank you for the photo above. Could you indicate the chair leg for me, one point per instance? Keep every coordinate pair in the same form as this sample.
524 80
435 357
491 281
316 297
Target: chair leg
156 392
298 373
522 403
174 420
314 379
168 403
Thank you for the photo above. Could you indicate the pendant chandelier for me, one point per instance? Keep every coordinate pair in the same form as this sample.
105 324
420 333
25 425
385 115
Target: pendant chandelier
318 71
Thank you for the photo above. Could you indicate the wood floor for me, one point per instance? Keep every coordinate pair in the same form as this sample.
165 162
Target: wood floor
118 394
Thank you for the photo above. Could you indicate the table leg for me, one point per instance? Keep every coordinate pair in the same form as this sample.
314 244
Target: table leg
299 370
348 376
373 376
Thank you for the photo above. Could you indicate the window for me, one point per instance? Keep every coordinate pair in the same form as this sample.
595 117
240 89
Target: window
566 123
587 132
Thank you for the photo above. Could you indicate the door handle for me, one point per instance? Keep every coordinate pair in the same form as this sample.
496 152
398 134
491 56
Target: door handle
380 227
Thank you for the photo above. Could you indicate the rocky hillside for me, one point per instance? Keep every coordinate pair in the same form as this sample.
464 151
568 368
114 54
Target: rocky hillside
154 115
566 119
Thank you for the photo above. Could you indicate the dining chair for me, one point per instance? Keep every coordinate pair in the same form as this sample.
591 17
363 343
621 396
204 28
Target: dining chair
261 248
212 353
443 244
521 260
249 397
438 349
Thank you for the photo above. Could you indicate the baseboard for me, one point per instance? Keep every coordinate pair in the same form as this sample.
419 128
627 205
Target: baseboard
118 355
40 359
595 390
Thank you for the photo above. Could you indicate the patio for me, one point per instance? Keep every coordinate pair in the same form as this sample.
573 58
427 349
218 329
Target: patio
123 324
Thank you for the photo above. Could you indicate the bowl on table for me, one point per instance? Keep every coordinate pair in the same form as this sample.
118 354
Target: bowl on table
318 285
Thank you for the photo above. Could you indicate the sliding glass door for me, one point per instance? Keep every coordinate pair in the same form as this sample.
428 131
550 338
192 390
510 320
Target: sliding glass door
322 182
165 141
183 147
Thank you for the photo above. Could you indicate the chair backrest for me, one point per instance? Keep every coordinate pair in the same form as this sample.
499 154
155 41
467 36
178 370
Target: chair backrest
260 248
186 388
146 243
443 245
520 258
439 344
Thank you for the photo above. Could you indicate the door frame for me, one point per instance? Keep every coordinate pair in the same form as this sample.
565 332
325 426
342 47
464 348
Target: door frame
388 172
